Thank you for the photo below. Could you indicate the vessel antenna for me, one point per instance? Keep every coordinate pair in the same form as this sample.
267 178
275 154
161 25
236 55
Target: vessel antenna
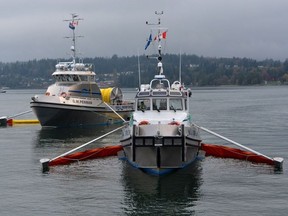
158 38
72 23
180 67
139 71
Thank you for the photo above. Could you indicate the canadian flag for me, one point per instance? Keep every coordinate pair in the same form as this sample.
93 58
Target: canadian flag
162 35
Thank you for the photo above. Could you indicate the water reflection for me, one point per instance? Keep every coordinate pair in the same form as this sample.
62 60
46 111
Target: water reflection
174 194
51 142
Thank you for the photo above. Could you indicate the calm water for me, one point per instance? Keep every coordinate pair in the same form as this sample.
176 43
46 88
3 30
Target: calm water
256 117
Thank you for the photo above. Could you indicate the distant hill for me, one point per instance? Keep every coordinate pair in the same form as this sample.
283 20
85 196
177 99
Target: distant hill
196 71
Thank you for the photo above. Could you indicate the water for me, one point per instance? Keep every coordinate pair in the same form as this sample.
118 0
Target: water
255 116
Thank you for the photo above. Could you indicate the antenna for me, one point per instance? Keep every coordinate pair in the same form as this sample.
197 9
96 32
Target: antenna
159 14
72 23
139 71
160 35
180 67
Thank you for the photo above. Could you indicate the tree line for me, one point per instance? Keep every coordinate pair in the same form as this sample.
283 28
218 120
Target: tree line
124 71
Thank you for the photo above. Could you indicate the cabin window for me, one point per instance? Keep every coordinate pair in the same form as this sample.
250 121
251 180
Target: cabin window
56 78
75 78
175 104
159 104
143 104
66 78
70 78
92 78
60 78
84 78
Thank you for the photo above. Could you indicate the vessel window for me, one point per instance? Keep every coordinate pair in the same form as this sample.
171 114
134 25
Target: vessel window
91 78
62 78
69 78
159 104
143 104
84 78
175 93
159 93
145 93
185 104
57 78
175 104
75 78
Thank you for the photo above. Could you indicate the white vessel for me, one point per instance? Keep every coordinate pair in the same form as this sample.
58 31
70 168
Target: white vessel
75 99
160 137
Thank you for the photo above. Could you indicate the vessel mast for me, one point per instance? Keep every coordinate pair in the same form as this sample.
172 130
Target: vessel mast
159 37
72 23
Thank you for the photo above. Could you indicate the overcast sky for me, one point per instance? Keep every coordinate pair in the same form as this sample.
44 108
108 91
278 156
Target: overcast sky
34 29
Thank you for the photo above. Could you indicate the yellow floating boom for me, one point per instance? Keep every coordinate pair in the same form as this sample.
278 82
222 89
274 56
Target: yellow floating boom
22 121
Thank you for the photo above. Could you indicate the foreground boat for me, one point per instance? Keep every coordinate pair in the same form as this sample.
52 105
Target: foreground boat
75 99
161 137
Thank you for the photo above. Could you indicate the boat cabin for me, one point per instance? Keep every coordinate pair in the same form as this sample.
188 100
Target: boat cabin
70 72
160 96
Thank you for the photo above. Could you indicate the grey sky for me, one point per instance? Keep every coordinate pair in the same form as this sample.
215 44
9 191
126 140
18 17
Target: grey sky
34 29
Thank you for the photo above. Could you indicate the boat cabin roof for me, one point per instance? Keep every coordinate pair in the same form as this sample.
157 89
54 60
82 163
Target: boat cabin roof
160 87
74 72
160 95
86 73
72 66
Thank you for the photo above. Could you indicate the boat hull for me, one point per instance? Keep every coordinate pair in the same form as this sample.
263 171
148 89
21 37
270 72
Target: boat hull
160 155
61 115
157 171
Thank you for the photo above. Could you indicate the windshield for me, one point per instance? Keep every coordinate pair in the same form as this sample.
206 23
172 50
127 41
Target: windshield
176 104
143 104
159 104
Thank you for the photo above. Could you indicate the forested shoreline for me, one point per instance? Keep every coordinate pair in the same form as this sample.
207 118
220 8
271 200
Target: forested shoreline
123 71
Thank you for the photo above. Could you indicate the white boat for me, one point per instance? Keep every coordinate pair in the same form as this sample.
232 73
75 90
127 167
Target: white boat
160 137
2 90
75 99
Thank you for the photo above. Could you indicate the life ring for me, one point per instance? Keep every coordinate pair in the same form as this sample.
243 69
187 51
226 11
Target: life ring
63 94
144 122
174 123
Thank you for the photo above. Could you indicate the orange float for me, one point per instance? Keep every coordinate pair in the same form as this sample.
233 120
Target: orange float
210 150
144 122
174 123
87 155
228 152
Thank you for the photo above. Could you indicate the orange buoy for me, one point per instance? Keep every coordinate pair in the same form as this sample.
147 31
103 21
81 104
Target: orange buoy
228 152
87 155
144 122
174 123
